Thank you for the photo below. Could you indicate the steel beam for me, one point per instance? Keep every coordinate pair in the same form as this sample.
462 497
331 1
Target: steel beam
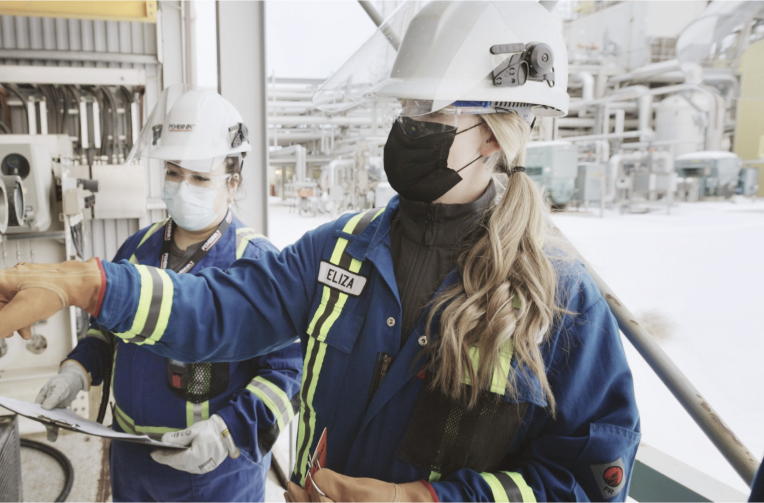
242 81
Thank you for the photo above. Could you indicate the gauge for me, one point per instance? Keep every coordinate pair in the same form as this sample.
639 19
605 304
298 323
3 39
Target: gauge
15 164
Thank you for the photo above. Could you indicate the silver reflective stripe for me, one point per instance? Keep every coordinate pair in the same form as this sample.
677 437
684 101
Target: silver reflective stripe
197 413
283 407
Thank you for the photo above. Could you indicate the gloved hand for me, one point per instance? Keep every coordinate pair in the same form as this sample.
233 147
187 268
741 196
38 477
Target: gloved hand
61 390
33 292
339 487
210 443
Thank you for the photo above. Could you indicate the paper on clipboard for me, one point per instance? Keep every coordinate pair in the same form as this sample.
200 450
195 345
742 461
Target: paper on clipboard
65 418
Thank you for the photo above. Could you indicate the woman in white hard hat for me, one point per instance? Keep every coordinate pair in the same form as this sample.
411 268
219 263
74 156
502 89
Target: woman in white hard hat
219 410
452 351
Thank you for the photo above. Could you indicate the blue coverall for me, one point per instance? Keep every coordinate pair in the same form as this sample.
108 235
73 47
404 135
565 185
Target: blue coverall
335 289
256 405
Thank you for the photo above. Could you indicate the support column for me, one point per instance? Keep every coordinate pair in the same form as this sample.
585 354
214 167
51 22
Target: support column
242 80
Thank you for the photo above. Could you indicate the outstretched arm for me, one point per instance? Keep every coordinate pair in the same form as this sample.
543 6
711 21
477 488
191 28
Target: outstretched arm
185 317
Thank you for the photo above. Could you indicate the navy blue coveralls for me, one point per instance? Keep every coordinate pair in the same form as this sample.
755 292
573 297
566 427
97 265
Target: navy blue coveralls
335 290
255 406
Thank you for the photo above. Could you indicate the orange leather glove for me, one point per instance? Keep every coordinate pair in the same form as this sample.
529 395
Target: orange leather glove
33 292
343 488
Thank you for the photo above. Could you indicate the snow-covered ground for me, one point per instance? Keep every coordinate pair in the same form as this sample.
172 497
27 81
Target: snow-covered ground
699 269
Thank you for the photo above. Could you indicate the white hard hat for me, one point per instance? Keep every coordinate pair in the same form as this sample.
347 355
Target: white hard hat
195 128
484 56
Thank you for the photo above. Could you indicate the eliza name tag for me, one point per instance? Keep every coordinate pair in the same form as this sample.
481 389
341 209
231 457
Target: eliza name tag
341 279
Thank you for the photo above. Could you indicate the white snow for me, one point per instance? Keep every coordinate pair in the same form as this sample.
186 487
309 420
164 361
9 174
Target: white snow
701 267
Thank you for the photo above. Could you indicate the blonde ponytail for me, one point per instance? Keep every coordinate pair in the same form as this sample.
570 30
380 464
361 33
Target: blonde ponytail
507 293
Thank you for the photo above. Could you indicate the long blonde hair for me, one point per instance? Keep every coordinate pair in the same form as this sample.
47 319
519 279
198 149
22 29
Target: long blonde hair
503 258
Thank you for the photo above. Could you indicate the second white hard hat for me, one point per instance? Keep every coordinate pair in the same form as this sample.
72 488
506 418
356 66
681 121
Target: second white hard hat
195 128
491 55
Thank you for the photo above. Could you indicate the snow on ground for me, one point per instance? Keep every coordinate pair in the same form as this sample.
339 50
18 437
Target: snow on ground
700 268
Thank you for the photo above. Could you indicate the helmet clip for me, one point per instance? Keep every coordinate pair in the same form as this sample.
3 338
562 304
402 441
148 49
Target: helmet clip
238 134
157 133
531 62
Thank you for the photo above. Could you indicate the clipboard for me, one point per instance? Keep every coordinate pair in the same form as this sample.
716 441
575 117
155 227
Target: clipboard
68 420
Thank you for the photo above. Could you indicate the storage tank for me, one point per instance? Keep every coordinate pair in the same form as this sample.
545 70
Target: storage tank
683 117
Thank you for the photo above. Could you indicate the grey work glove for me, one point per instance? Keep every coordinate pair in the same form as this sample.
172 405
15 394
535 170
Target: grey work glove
210 443
61 391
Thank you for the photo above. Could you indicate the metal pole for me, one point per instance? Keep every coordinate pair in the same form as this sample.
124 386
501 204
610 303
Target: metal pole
372 12
376 17
683 390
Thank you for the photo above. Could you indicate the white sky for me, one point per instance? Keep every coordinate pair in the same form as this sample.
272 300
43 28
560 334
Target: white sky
303 38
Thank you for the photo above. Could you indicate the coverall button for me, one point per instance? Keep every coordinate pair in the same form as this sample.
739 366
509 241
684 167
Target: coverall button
390 321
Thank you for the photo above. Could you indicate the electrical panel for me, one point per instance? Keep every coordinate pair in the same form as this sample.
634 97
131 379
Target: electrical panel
31 164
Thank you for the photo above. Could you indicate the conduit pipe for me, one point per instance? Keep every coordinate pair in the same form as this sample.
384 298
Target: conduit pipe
317 120
587 80
683 390
647 71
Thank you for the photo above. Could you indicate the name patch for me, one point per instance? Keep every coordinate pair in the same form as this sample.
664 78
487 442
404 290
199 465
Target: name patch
341 279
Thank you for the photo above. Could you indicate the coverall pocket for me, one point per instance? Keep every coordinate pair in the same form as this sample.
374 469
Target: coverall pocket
606 463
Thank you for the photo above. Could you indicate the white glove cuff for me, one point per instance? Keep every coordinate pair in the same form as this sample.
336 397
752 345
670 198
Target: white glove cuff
225 434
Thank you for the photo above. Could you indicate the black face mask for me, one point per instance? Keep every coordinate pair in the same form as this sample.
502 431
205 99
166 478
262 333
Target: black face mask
417 168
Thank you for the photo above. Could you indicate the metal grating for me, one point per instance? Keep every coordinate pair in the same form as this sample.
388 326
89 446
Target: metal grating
10 459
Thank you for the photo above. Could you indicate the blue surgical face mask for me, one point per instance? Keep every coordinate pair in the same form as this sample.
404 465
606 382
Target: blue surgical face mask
191 207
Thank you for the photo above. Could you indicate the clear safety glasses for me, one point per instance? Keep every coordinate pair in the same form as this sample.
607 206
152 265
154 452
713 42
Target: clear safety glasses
173 173
448 119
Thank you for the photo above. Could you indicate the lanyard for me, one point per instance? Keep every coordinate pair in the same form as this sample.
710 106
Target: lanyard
169 229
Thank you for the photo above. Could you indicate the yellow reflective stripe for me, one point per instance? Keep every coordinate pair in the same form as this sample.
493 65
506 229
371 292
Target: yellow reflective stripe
151 231
127 424
434 477
307 405
314 356
205 410
339 249
243 236
525 489
94 332
499 494
144 303
500 375
189 413
275 398
154 305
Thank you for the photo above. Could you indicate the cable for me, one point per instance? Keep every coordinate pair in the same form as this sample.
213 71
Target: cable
5 128
15 90
66 465
105 389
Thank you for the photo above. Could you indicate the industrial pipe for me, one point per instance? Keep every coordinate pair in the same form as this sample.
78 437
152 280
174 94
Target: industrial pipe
644 72
317 120
610 136
587 80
